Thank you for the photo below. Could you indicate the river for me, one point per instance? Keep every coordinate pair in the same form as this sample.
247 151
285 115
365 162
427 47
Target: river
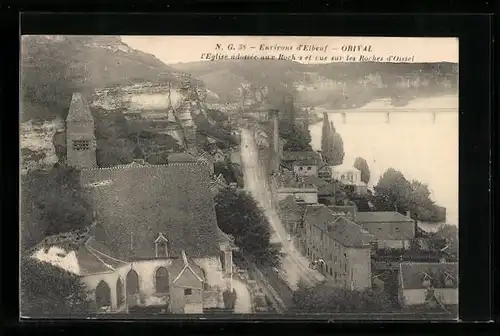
410 143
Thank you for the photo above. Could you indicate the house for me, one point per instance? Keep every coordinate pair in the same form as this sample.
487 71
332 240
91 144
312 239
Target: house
287 183
154 241
340 247
348 175
430 284
216 153
301 191
391 229
289 158
290 214
307 167
326 190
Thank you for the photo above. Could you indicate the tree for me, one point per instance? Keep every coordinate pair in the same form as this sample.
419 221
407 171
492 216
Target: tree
337 157
392 190
332 145
362 166
325 132
325 298
51 202
297 138
47 289
238 215
395 192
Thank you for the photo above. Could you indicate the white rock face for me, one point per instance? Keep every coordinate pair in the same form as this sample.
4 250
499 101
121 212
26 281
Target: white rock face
38 138
59 257
145 96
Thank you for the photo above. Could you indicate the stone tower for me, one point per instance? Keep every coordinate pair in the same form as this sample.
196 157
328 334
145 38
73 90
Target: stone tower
80 138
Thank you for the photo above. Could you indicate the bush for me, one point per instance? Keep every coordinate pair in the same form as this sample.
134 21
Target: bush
48 290
51 202
324 298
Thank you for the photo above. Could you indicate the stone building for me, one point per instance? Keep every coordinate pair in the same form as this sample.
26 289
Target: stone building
340 248
391 229
429 284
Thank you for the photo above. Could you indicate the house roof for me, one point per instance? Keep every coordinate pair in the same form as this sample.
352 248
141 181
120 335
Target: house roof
347 211
137 203
380 217
296 156
290 208
79 109
344 168
412 274
181 157
341 229
324 188
305 162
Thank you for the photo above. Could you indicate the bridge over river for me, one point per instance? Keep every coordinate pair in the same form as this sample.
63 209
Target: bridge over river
387 112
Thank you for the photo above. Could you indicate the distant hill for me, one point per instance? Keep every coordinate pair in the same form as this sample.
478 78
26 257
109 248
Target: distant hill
333 85
53 67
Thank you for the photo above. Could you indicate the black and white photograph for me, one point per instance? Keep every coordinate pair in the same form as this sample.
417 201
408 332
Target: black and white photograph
165 176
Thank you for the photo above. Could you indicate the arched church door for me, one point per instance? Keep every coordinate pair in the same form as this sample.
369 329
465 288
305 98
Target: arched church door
132 282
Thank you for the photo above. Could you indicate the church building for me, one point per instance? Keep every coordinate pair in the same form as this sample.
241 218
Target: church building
154 240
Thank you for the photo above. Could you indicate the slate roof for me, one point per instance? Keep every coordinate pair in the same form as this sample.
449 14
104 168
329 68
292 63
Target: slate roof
341 229
343 210
299 156
412 274
324 188
79 109
305 162
381 217
290 209
134 204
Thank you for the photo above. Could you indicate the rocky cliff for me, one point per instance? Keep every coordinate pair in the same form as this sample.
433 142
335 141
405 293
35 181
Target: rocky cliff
130 92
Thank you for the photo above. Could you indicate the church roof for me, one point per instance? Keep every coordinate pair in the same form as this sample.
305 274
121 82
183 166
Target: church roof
135 203
79 110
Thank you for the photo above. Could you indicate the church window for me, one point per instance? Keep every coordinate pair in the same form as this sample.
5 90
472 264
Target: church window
132 282
81 145
161 246
161 280
120 297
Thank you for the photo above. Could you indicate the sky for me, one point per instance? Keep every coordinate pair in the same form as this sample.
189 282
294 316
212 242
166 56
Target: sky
177 49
